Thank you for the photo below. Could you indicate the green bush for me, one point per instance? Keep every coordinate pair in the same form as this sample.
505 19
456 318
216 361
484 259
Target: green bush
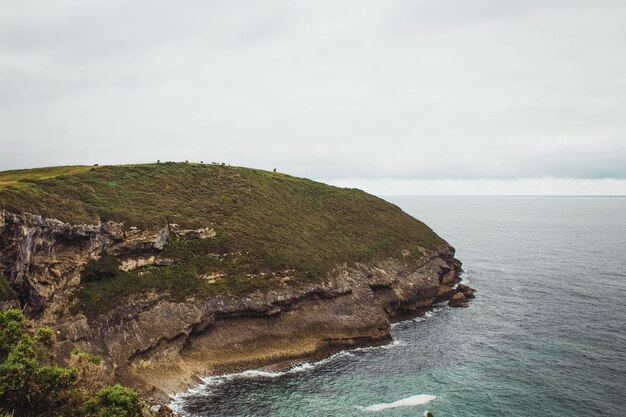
114 401
28 384
44 336
106 266
91 357
32 385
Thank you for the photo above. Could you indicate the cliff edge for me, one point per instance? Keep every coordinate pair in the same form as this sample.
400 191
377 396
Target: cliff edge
174 270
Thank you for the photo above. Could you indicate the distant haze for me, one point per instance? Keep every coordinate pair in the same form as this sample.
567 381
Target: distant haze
393 96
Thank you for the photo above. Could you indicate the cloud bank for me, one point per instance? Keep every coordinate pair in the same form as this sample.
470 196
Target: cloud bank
398 90
516 187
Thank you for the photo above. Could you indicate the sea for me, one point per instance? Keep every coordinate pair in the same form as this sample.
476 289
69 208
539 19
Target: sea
546 335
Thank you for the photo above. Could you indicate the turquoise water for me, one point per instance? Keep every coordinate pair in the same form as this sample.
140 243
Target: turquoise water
546 335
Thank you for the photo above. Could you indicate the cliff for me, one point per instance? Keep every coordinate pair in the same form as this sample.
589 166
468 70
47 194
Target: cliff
170 271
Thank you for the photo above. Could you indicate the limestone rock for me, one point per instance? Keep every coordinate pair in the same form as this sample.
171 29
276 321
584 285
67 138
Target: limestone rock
160 345
468 292
458 300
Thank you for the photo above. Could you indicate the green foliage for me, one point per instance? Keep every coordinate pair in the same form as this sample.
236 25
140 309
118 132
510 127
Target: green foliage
265 223
91 357
11 331
180 281
28 384
19 175
114 401
32 385
105 266
44 336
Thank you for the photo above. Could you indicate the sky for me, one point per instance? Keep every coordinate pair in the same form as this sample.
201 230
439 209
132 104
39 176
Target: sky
393 97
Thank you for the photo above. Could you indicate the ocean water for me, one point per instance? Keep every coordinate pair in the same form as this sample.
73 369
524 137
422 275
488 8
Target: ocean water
546 335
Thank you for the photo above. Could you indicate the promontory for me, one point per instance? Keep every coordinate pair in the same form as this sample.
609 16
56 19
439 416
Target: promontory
170 271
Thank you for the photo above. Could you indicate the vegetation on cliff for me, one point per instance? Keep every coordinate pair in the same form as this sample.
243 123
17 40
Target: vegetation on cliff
31 384
247 206
189 232
266 223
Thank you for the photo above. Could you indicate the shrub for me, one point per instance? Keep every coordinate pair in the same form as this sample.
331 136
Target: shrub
29 385
91 357
106 266
91 373
32 385
11 331
44 336
114 401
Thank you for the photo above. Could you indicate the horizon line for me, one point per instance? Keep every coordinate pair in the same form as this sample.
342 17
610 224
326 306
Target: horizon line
503 195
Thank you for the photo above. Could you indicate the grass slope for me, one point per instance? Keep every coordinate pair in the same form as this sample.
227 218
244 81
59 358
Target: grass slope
272 221
16 176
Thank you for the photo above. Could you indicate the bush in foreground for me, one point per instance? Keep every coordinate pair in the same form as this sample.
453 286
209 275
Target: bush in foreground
115 401
32 385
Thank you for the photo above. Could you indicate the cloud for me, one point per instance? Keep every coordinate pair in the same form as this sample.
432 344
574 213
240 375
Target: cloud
516 187
447 89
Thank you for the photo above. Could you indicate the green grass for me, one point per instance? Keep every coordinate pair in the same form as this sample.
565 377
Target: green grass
26 175
179 282
268 222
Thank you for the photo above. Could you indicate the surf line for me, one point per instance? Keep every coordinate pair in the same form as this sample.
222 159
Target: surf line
211 381
419 399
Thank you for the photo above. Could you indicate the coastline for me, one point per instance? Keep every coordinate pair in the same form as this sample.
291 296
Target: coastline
163 346
176 401
313 328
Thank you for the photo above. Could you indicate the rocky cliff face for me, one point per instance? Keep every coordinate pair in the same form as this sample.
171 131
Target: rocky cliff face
160 345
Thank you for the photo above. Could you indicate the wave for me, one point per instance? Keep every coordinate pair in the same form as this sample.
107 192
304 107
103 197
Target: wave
212 381
395 343
216 380
419 399
259 373
436 309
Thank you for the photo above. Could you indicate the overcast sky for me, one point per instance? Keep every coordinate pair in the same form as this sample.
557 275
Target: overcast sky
392 96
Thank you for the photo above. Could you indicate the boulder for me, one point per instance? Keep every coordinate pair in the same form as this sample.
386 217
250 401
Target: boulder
445 292
458 300
467 291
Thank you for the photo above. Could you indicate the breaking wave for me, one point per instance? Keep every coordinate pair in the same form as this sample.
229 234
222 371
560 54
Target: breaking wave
415 400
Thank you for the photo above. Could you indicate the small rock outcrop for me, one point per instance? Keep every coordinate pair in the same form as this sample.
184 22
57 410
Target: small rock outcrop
458 296
458 300
466 291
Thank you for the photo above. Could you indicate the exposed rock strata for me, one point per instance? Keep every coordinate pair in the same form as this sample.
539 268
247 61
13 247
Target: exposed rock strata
161 345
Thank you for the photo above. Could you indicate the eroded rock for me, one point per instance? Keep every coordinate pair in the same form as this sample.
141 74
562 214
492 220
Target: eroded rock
458 300
160 345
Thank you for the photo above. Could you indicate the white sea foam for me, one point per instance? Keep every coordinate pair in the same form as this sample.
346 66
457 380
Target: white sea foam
260 373
216 380
393 344
419 399
436 309
302 367
212 381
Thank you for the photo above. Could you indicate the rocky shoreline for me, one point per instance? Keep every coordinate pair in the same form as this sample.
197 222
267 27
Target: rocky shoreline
161 346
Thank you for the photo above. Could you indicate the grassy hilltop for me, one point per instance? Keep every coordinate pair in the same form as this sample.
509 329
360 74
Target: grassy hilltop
274 222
